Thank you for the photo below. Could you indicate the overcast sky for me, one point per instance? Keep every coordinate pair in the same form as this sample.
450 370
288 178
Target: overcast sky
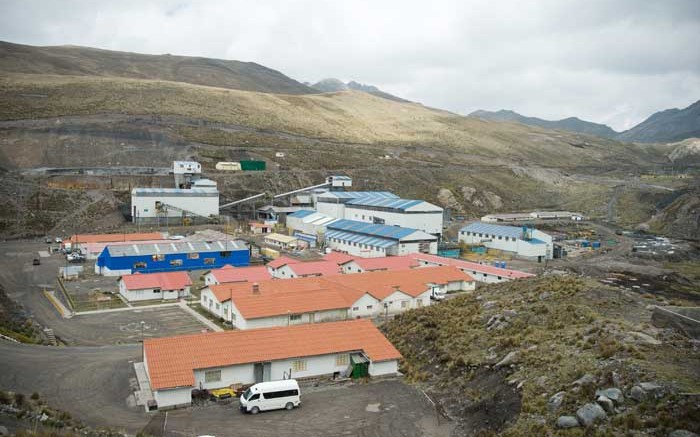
608 61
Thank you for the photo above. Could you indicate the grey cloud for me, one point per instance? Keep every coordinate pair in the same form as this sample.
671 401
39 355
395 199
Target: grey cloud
612 62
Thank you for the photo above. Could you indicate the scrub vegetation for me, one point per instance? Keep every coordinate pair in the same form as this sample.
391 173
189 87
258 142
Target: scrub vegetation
494 359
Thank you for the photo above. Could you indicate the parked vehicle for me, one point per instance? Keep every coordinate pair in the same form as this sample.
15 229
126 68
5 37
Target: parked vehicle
48 240
222 393
272 395
58 240
36 262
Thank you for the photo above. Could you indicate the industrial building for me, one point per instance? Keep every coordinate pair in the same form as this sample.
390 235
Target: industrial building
372 240
186 172
480 272
332 203
523 242
154 286
329 297
530 216
281 241
173 256
229 273
309 225
181 205
177 365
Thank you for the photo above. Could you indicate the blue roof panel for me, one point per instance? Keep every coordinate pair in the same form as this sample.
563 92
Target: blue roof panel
400 204
302 213
361 239
498 230
384 231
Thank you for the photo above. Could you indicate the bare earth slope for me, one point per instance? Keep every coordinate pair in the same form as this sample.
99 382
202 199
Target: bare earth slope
85 61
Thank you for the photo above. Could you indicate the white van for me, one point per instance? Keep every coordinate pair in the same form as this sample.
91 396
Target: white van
272 395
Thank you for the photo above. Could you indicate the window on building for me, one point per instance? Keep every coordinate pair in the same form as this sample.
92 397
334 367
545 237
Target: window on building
175 262
299 365
295 317
212 376
156 290
404 304
499 278
369 307
419 303
159 257
217 306
225 254
139 265
500 237
356 308
210 261
192 256
342 359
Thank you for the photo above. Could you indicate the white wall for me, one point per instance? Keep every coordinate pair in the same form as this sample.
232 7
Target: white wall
336 210
426 222
516 246
210 279
236 374
352 267
361 304
208 301
378 368
364 252
284 272
173 397
150 294
201 205
406 248
104 271
284 320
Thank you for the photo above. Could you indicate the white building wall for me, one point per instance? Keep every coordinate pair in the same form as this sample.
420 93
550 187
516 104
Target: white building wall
426 222
284 272
379 368
354 250
514 245
236 374
407 248
208 301
210 279
397 302
284 320
336 210
105 271
315 366
351 267
477 275
201 205
366 306
171 398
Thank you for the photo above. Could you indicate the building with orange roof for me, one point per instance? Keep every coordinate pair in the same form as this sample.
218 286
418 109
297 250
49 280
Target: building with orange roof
177 365
305 269
228 274
97 242
154 286
317 299
480 272
360 265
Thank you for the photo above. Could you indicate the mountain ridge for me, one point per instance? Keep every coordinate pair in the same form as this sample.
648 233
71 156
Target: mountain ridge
332 84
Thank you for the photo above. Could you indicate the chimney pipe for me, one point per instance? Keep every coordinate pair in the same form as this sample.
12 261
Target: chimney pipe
256 288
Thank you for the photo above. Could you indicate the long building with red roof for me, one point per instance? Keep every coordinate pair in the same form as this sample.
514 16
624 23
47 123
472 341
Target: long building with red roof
337 297
177 365
154 286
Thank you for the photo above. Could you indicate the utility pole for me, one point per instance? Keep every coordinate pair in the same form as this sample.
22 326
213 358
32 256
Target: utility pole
143 346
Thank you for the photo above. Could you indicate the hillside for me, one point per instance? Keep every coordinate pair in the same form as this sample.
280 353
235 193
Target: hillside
666 126
571 124
87 121
85 61
512 358
334 85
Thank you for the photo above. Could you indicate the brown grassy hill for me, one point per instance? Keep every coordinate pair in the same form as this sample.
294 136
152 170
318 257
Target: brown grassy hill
85 61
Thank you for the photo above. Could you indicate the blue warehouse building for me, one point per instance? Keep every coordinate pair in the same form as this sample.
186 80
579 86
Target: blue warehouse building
372 241
117 260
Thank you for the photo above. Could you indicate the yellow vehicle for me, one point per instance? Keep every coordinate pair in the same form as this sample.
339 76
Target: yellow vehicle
222 393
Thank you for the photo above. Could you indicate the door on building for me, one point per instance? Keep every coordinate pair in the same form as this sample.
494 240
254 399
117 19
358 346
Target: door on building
312 318
262 372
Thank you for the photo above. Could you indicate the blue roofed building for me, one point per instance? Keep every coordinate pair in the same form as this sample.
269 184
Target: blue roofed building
381 207
370 240
168 257
521 242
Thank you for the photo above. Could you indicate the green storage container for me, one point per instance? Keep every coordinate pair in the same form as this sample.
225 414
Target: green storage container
252 165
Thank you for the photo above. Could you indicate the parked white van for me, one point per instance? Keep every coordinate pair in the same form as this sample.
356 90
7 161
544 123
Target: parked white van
272 395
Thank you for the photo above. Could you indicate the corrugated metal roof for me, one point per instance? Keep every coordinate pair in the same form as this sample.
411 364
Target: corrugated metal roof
194 192
174 247
400 204
385 231
498 230
302 213
358 194
361 239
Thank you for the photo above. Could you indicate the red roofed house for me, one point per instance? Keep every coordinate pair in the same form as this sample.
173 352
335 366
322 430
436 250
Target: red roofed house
480 272
336 297
305 269
229 273
177 365
360 265
152 286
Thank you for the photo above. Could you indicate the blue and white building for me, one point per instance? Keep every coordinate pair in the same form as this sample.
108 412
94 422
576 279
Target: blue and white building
307 224
381 207
373 240
168 257
522 242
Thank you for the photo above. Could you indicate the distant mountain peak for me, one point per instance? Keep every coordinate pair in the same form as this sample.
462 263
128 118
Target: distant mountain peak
571 124
331 85
666 126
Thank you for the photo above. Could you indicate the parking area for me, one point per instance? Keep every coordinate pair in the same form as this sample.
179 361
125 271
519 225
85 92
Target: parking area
383 408
120 327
